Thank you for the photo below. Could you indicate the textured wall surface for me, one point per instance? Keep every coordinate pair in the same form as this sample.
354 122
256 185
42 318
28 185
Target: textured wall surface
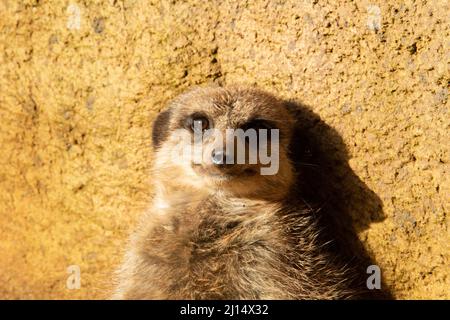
81 81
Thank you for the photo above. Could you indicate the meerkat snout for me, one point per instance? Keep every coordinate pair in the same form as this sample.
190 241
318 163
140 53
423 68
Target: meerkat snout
219 158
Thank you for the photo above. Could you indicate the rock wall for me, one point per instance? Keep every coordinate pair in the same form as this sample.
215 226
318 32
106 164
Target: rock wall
81 81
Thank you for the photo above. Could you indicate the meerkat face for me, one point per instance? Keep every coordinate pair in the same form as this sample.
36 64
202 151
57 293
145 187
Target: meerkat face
232 140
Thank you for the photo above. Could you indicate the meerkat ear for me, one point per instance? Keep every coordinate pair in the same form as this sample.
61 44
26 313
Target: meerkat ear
160 130
300 147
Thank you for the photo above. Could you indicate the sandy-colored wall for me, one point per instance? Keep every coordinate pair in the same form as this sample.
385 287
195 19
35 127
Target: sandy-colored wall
81 81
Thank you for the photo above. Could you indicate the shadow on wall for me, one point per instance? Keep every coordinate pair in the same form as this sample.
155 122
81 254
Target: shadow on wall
344 204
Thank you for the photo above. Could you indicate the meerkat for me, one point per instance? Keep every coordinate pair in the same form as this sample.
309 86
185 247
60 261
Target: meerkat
224 231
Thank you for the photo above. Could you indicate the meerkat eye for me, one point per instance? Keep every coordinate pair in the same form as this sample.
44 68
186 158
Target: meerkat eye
198 121
258 124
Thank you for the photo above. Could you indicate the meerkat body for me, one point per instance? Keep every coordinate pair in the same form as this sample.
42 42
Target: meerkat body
219 232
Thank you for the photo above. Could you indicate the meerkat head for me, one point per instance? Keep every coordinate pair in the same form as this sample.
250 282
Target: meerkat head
231 140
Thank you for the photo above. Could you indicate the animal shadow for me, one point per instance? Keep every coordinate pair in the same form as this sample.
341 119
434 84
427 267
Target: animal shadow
344 204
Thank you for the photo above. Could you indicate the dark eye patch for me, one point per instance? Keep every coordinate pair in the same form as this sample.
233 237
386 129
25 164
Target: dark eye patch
200 118
258 124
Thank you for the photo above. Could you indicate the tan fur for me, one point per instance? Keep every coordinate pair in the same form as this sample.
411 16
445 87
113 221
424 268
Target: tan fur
240 238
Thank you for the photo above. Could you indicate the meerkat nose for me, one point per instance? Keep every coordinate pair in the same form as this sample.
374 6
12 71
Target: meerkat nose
218 157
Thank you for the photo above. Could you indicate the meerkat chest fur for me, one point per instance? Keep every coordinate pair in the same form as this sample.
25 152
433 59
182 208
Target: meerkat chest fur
214 246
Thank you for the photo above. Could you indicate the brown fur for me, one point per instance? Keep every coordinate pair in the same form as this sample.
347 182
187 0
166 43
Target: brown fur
241 238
